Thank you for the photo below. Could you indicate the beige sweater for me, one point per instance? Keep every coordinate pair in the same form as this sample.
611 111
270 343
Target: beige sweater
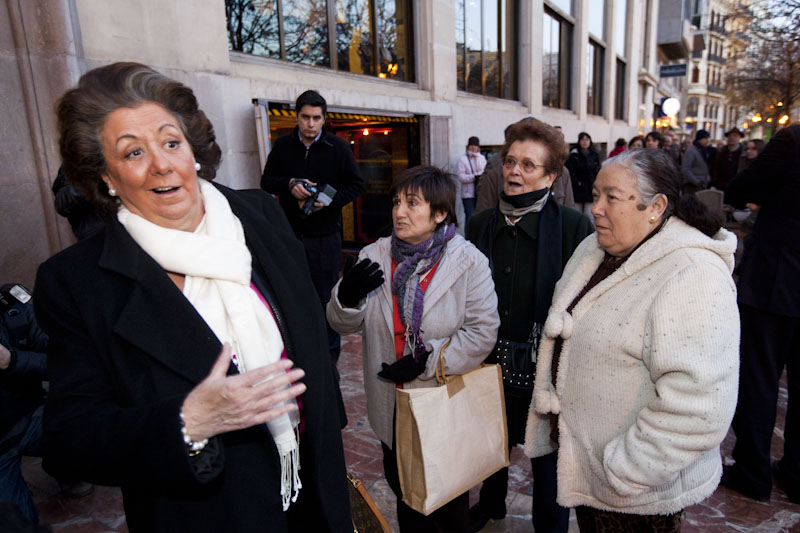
648 373
459 308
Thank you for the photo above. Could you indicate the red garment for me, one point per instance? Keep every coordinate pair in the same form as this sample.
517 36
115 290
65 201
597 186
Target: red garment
617 150
399 328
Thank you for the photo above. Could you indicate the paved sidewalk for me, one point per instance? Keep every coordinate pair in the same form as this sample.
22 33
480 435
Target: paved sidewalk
723 511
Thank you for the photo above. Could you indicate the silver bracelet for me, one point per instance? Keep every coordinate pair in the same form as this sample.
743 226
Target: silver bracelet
192 447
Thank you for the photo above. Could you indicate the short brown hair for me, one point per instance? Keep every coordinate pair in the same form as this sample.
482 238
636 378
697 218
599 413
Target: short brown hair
531 129
83 110
437 187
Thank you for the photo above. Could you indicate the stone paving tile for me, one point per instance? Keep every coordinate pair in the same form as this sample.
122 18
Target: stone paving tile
724 511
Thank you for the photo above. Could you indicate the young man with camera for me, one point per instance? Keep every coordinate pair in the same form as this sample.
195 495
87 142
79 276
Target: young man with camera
311 163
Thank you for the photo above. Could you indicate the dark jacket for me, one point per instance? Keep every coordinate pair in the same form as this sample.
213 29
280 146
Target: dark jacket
514 261
21 383
583 170
769 273
126 348
515 254
725 166
328 161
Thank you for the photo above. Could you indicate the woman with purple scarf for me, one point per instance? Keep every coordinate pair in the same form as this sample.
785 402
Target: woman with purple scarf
440 300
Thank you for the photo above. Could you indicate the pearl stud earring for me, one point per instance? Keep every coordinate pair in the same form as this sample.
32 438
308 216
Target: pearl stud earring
197 167
112 192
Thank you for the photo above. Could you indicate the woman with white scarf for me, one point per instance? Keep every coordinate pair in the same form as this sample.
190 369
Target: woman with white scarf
174 330
439 300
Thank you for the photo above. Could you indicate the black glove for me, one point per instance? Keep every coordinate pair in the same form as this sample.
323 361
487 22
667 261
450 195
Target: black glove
363 278
405 369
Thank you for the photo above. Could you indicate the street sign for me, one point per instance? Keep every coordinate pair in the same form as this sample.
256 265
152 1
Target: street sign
672 71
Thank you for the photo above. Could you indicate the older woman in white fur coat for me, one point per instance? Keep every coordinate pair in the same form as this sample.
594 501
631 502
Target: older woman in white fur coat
637 373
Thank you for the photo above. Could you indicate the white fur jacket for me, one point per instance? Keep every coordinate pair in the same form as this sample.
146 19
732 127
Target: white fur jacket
648 374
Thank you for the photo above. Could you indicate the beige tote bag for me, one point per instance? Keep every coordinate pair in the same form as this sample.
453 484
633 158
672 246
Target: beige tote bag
451 437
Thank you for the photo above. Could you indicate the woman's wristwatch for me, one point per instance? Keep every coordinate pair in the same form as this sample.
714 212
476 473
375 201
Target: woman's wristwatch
192 447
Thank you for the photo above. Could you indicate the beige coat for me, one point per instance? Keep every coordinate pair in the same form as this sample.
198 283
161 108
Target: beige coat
648 373
460 308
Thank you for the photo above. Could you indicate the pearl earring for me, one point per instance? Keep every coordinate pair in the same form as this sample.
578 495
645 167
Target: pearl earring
652 219
197 167
112 192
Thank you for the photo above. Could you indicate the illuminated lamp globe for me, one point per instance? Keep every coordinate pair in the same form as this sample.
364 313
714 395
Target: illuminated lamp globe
671 106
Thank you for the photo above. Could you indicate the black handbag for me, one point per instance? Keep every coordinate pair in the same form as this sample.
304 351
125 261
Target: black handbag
517 360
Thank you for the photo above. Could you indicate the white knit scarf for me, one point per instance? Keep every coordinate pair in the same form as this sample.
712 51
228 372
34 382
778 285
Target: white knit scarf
217 265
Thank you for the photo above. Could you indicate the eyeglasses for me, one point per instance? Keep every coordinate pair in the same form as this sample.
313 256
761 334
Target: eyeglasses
527 166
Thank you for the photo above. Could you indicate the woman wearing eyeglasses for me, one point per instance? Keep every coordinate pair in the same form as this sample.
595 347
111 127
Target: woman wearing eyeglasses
528 239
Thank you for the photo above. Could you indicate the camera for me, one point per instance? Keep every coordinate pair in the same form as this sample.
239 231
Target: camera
325 197
308 207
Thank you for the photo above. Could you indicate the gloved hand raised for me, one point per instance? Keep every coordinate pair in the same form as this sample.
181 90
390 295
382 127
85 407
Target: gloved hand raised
362 279
405 369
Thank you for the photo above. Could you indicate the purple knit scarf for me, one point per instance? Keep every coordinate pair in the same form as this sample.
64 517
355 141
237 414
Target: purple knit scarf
412 261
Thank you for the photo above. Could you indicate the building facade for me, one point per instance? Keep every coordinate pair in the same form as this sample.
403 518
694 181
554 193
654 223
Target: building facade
707 105
407 82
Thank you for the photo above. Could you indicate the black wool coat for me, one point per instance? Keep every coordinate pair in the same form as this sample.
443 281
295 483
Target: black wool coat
769 273
126 348
583 170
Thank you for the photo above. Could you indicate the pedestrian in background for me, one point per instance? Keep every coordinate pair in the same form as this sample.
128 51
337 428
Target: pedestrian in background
654 140
619 147
583 164
469 168
726 163
695 165
769 305
636 142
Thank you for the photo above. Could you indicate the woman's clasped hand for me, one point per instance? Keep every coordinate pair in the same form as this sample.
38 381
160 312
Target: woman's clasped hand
222 403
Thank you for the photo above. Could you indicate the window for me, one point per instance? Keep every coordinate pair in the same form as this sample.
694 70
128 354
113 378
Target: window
594 78
646 36
371 37
695 74
486 41
619 101
620 31
597 19
556 60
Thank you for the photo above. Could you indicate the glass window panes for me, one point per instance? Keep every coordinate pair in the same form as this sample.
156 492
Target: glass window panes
472 26
371 37
393 19
556 58
485 46
597 18
619 102
620 30
594 78
253 27
305 26
354 36
564 5
490 44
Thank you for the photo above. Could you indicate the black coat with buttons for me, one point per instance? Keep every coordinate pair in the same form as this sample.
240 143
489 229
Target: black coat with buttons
514 259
